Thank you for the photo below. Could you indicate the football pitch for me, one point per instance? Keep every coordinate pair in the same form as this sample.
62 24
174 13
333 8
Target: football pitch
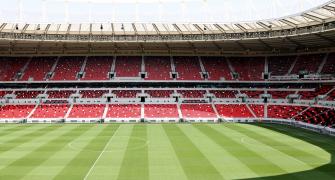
164 152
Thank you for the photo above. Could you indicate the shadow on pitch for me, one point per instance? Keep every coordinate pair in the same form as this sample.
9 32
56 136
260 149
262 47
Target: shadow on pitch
328 169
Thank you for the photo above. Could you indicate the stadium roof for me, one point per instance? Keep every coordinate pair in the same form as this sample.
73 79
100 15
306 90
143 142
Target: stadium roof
320 14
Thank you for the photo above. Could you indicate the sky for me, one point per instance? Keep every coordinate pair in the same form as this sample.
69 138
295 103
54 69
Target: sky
149 11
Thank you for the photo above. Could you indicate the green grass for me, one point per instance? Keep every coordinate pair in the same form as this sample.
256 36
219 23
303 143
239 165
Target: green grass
164 152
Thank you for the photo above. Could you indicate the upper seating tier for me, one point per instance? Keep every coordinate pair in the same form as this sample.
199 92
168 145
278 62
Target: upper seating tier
68 68
188 68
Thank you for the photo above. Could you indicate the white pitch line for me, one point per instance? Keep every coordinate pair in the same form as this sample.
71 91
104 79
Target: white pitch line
102 152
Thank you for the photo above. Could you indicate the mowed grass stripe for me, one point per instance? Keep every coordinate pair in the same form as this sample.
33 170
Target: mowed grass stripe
251 159
9 127
196 166
299 143
82 162
327 144
55 164
22 150
13 129
24 138
135 164
8 137
163 162
303 156
324 141
19 168
109 165
228 165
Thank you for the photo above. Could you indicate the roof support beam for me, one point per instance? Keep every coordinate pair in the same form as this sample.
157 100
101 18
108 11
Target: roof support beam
329 8
325 38
220 28
241 45
264 25
265 44
312 17
295 42
241 27
217 45
288 23
156 28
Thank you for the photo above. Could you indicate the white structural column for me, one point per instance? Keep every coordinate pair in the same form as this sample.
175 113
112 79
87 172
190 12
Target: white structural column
201 64
32 112
24 68
252 112
215 110
173 67
142 110
104 115
55 64
324 61
300 113
265 110
179 111
84 65
292 65
68 111
143 64
113 64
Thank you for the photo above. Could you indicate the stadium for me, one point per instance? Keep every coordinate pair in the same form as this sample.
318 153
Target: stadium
138 89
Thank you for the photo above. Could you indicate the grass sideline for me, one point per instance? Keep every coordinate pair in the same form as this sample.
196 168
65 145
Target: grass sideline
164 151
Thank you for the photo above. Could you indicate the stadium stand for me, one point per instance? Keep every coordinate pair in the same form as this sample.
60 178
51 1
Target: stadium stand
318 115
217 68
9 67
280 94
233 111
87 111
188 68
313 94
124 111
224 94
284 112
68 68
192 93
93 93
60 94
16 111
280 65
126 93
38 68
329 67
258 110
97 68
161 111
158 68
253 94
159 93
128 66
3 93
248 69
308 63
27 94
197 111
50 111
